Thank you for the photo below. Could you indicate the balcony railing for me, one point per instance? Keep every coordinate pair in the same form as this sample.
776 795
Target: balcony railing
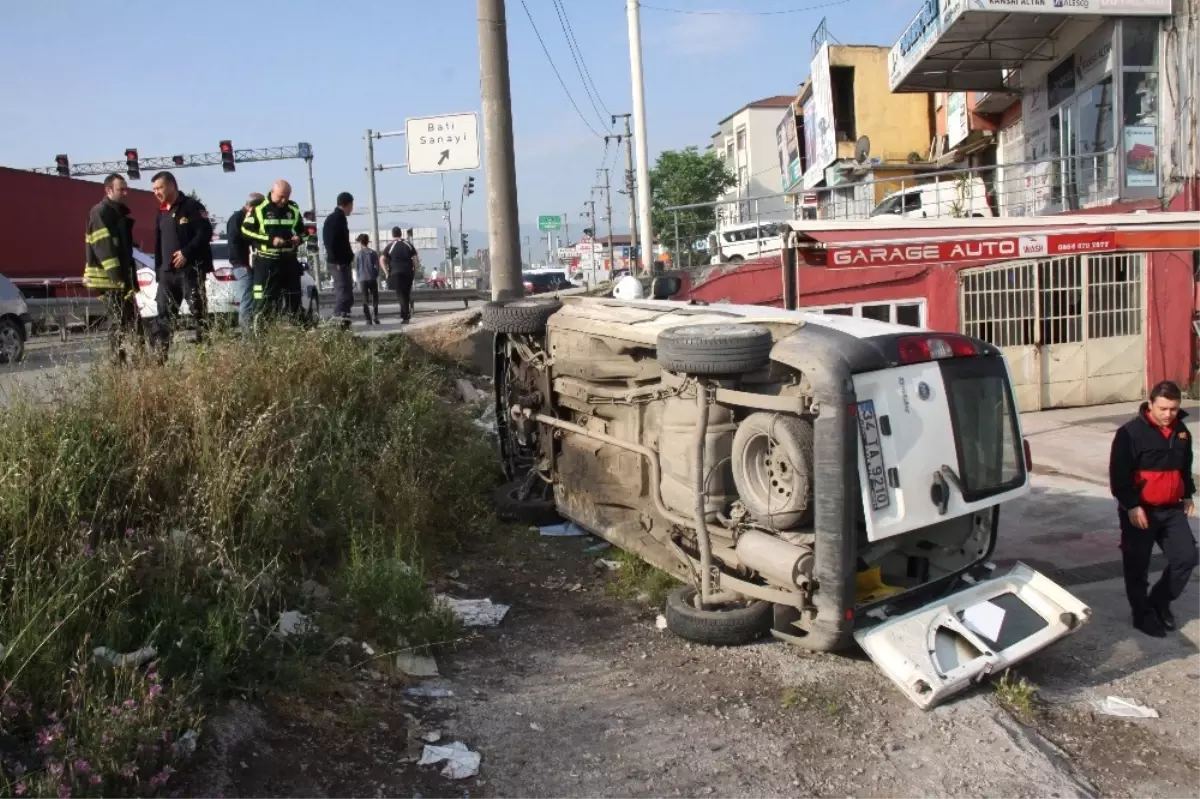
1045 187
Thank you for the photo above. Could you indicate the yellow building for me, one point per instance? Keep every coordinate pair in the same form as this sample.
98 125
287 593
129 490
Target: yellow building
856 132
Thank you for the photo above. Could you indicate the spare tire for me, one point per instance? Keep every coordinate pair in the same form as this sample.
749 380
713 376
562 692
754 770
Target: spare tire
772 464
717 349
519 316
536 509
729 625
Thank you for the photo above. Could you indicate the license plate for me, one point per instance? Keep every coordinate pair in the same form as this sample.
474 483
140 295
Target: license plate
868 428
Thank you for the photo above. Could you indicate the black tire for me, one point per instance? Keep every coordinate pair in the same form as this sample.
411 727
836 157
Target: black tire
716 349
772 460
527 316
729 626
536 509
12 342
737 259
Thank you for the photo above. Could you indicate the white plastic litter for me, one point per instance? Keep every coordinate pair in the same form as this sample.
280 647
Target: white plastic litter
428 692
461 762
416 665
661 622
984 619
129 659
561 530
611 565
1124 707
475 612
293 622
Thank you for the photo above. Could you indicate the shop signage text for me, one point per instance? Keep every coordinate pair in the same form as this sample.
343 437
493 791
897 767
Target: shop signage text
969 250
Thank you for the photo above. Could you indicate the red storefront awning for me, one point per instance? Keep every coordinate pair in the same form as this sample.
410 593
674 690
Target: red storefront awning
976 241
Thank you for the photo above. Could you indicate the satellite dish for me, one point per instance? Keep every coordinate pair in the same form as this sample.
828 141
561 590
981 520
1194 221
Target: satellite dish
862 148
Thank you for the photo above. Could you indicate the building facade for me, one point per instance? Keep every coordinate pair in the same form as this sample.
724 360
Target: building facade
746 141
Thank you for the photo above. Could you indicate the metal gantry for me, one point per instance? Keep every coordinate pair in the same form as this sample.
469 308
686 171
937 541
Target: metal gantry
300 151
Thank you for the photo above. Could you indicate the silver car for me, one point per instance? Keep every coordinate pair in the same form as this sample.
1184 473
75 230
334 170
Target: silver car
15 322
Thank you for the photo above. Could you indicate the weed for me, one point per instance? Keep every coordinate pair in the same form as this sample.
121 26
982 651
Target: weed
180 509
1017 694
792 697
636 579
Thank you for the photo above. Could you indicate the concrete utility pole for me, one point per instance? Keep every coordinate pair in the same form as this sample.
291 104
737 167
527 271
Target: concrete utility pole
504 242
607 187
373 205
639 123
630 181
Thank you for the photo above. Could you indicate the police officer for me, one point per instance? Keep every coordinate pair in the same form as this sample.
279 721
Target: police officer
182 259
275 229
109 266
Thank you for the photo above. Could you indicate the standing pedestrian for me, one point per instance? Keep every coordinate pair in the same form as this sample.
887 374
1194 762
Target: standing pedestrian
339 254
1150 474
275 228
366 271
109 265
400 261
239 258
182 259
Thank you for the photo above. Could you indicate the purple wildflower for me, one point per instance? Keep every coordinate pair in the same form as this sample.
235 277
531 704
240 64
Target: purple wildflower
155 690
95 779
130 704
81 766
20 788
129 532
54 768
52 715
64 792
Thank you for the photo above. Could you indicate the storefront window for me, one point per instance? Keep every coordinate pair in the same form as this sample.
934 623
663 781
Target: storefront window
1097 132
1139 98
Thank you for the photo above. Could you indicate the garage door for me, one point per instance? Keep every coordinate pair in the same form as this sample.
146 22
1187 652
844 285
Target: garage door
1072 329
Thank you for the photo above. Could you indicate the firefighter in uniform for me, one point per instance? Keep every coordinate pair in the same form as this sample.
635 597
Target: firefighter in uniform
275 229
182 258
109 267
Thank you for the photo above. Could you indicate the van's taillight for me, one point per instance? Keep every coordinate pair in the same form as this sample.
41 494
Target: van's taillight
918 349
224 274
1028 455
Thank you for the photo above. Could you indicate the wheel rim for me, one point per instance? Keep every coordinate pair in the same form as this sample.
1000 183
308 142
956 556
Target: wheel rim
10 343
771 478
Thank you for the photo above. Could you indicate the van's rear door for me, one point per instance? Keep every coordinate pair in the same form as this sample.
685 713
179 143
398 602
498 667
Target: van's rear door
948 645
937 439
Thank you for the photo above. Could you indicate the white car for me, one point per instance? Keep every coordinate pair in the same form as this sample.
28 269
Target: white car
947 198
15 322
224 287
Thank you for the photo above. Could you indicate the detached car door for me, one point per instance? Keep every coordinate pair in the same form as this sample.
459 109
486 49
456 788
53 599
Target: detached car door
950 644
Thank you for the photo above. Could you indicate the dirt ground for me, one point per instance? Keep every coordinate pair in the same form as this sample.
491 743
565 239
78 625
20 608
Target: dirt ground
578 693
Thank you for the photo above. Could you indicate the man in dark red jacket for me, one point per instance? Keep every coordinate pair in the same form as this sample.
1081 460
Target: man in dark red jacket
1150 474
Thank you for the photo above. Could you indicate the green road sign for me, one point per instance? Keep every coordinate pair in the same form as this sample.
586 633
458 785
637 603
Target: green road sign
550 222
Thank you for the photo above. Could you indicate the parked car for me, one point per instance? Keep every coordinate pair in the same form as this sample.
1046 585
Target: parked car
223 287
543 281
733 244
963 197
15 322
824 479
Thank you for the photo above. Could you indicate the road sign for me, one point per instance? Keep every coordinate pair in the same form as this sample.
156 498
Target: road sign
446 143
549 222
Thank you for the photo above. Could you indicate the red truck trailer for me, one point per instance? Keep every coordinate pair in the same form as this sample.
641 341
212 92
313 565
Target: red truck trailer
43 217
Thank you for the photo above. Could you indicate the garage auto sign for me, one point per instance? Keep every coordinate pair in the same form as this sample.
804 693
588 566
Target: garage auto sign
927 253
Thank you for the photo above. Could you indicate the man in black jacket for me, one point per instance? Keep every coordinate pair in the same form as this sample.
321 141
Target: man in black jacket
109 266
239 258
1150 474
340 256
182 259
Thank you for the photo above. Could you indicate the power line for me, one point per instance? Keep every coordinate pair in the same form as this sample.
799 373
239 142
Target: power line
565 20
561 82
714 13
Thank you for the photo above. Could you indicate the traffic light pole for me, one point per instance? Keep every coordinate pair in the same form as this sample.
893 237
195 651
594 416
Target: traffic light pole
450 228
312 203
99 168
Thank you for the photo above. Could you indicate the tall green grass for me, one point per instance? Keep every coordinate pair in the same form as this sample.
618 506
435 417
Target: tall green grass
180 509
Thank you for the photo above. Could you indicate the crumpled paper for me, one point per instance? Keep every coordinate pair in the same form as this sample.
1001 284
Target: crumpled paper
461 762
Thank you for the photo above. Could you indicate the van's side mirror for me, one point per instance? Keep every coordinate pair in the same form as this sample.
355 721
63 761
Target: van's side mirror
663 288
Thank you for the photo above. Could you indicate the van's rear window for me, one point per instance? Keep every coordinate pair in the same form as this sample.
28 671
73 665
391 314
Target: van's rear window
991 456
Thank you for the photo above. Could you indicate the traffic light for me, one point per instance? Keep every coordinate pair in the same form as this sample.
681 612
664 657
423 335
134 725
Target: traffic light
587 231
465 248
310 216
227 155
453 253
131 164
62 165
177 160
470 187
310 231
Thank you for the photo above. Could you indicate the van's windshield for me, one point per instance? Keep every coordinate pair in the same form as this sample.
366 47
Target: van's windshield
991 454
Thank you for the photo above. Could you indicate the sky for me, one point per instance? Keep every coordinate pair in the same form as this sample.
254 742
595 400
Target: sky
92 79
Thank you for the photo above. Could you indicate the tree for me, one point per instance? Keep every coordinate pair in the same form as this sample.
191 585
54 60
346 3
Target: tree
686 177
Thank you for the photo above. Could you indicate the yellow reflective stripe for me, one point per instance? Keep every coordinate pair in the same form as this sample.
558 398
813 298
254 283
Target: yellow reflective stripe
110 263
99 235
258 292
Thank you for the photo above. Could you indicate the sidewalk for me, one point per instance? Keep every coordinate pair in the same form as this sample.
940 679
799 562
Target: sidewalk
1076 441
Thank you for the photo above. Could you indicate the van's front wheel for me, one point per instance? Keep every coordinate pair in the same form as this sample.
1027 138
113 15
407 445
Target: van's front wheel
724 625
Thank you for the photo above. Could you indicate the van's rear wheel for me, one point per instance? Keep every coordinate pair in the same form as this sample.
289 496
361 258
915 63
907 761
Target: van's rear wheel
715 349
724 625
